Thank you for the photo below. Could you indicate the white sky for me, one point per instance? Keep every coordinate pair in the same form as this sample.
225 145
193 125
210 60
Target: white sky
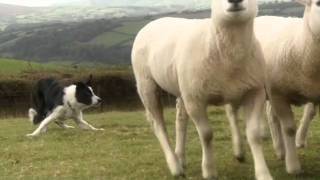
35 2
46 2
29 2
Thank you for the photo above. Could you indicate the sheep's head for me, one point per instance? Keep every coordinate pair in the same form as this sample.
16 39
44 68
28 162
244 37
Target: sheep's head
234 11
312 14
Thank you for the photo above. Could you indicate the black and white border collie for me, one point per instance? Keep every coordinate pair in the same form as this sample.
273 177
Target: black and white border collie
53 102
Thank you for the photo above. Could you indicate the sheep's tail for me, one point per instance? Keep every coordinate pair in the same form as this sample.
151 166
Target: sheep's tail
34 116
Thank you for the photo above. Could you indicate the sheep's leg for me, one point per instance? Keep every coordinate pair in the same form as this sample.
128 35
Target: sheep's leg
197 112
283 111
308 114
181 131
253 107
264 130
275 130
148 92
232 115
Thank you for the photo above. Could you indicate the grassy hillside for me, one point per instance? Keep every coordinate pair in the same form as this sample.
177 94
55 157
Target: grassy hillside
121 36
127 149
106 41
13 67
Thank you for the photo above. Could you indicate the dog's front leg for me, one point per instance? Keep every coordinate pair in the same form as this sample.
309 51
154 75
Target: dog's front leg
63 125
43 125
84 124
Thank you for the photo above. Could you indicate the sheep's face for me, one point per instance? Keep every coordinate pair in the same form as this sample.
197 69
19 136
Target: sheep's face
234 10
314 16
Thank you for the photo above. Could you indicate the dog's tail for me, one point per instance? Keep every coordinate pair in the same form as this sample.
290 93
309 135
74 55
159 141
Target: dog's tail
34 117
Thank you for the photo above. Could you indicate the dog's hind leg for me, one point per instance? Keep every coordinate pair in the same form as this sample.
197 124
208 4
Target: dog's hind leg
32 114
84 124
44 124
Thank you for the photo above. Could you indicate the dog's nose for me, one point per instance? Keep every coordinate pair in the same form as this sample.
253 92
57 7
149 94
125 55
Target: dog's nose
99 100
235 1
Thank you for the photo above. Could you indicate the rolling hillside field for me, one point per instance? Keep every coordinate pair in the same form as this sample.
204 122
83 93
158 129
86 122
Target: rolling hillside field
11 67
127 149
19 69
96 41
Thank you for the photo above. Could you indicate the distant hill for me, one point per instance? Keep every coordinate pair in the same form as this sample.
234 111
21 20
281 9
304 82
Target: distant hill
97 41
94 9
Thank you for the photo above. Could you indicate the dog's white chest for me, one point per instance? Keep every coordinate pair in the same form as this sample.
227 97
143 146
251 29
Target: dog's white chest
67 113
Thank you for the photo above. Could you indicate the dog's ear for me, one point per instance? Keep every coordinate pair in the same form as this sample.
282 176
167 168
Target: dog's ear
89 81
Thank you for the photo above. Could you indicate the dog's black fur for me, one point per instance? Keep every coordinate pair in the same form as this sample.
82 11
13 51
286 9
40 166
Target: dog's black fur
47 95
53 102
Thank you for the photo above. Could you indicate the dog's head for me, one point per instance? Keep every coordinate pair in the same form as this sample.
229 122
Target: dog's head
84 94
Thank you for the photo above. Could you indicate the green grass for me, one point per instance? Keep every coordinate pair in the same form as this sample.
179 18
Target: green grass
109 39
124 34
127 150
132 27
12 67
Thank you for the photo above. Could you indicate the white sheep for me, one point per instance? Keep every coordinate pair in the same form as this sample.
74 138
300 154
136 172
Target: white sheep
217 61
292 56
301 137
291 49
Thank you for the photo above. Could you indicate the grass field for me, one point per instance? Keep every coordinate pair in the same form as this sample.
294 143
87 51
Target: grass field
127 150
122 35
12 67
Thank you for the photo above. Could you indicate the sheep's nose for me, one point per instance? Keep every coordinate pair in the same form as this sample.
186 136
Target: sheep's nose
235 1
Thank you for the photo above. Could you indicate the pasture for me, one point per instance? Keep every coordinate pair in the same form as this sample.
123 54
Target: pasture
127 149
10 67
19 69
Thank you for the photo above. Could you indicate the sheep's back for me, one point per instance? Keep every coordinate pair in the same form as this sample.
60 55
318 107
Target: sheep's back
162 44
277 35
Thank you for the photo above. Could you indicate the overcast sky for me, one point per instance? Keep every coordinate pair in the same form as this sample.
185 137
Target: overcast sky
37 2
51 2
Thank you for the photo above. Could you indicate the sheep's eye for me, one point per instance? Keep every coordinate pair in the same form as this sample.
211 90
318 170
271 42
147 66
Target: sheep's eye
318 3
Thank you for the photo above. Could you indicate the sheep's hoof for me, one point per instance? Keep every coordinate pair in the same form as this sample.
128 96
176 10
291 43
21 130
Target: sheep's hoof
295 172
266 177
301 145
280 156
211 178
300 175
180 176
241 159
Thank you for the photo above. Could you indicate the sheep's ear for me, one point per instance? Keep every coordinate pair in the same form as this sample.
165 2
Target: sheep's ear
303 2
89 81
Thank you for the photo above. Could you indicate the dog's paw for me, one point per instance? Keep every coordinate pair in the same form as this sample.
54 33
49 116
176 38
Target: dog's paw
99 129
31 135
69 127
